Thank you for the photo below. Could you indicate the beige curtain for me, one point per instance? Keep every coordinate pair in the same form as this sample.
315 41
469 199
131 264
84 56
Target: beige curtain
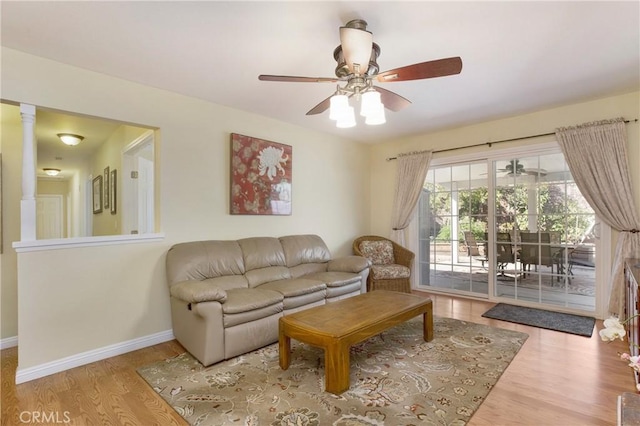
597 157
410 175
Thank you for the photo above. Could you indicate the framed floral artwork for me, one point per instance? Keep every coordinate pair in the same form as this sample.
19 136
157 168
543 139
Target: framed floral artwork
261 176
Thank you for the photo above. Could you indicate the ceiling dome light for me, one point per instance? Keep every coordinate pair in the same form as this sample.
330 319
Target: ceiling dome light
70 138
51 172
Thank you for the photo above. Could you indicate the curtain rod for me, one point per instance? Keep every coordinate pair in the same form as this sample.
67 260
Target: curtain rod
635 120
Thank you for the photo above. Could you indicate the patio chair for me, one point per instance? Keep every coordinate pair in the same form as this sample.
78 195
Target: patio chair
536 250
582 255
391 263
505 251
473 248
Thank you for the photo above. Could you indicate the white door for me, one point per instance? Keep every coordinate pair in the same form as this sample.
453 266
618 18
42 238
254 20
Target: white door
138 186
49 217
145 196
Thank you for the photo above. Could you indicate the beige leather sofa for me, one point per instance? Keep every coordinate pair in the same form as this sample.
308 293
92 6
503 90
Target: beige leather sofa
227 296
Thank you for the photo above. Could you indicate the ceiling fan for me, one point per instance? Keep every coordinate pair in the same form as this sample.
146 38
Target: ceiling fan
357 68
516 168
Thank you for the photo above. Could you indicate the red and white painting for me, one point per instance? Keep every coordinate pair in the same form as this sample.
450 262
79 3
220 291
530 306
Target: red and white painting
260 176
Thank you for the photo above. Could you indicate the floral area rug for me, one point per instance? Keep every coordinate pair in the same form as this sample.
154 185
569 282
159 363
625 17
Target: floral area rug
396 379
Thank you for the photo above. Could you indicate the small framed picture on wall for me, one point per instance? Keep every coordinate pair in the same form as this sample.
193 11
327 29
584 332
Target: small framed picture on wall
106 188
113 192
97 194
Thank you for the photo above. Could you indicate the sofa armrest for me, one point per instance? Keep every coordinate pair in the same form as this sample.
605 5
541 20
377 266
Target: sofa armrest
193 291
353 264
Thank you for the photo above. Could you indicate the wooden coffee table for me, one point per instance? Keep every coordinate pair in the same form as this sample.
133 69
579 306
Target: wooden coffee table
338 325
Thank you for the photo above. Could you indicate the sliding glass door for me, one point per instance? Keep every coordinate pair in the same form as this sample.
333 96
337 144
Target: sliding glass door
453 224
512 227
548 228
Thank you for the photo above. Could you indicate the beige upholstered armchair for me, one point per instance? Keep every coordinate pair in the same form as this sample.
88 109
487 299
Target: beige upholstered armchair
391 263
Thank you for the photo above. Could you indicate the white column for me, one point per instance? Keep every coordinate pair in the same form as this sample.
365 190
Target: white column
29 161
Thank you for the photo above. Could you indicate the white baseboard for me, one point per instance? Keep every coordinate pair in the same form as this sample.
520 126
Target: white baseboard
38 371
9 342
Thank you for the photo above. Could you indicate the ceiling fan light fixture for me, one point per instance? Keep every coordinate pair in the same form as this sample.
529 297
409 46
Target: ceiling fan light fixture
370 103
70 139
376 116
356 48
339 106
356 57
347 120
51 172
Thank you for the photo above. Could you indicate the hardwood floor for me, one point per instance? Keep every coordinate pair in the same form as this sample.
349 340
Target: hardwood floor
556 379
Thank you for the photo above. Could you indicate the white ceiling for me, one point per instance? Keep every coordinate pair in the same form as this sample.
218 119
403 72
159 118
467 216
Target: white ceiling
518 57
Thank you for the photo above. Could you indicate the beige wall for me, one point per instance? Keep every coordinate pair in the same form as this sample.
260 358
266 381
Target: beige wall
10 132
81 299
383 172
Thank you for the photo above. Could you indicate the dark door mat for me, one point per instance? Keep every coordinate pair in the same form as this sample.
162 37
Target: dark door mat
557 321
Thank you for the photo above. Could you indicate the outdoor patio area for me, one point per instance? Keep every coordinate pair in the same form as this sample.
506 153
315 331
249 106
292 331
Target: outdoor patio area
471 275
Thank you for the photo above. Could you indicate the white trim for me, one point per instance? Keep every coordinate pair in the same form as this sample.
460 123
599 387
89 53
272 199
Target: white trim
42 370
65 243
9 342
144 138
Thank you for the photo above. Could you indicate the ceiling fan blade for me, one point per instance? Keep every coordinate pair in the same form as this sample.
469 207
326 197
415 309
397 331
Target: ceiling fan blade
430 69
392 100
294 79
541 172
321 107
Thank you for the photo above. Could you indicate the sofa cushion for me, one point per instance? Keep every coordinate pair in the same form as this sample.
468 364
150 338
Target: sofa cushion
260 276
335 279
250 305
378 252
248 299
298 291
305 301
334 292
304 249
294 287
199 260
261 252
306 269
389 272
